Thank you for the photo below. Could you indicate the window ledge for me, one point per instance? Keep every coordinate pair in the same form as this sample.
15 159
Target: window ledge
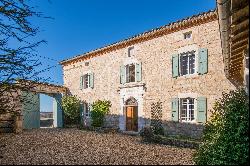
190 76
192 122
87 89
132 84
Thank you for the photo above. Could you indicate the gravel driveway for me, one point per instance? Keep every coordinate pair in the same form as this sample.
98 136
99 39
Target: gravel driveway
73 146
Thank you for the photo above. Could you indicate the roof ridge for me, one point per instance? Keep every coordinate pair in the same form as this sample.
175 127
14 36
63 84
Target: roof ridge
140 34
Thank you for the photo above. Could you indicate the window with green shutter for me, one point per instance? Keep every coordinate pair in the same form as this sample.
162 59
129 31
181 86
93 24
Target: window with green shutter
201 109
175 109
203 61
175 65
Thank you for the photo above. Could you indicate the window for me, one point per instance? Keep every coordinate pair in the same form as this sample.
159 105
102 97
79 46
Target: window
86 63
130 51
187 109
187 35
130 73
187 63
87 109
86 81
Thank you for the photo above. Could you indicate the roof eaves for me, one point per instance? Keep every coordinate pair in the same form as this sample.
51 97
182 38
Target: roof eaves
172 24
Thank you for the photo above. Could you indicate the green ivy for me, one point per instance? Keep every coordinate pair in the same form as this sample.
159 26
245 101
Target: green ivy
99 109
71 108
225 140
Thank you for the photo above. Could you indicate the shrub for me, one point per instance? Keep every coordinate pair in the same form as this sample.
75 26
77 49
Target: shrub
225 139
157 127
99 109
71 108
147 133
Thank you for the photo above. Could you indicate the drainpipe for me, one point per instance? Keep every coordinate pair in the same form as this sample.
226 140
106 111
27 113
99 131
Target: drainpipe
223 9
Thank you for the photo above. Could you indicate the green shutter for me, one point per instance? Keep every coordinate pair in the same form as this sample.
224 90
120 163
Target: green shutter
175 109
122 74
90 108
138 72
91 80
81 82
201 109
84 108
175 65
203 61
81 112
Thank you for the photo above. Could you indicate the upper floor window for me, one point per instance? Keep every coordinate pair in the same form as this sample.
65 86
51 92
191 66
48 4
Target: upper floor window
130 73
86 63
187 63
130 51
87 81
187 35
187 109
190 62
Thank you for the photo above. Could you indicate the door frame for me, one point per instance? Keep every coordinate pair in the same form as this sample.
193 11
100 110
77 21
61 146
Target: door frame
132 104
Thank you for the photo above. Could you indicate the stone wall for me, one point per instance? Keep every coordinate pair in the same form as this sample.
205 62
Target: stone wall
11 108
183 129
158 84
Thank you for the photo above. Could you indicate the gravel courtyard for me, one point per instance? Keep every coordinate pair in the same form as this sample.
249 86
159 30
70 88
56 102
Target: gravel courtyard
73 146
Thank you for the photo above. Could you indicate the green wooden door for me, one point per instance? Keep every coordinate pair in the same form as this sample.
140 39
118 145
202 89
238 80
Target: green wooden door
31 110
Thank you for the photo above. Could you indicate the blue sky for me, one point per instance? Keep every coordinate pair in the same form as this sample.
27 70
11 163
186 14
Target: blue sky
83 25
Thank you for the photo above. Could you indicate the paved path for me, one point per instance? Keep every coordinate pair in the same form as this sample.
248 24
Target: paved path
73 146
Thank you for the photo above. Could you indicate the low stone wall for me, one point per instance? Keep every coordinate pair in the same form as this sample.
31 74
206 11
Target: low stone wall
172 142
111 121
183 129
170 128
10 123
6 123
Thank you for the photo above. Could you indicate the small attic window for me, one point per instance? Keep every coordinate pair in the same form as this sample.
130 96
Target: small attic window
188 35
130 51
86 63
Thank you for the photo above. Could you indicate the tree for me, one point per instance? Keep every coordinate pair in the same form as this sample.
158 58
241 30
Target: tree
71 108
226 135
18 57
100 108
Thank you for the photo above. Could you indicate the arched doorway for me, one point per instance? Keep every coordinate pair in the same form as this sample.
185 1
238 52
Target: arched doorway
131 113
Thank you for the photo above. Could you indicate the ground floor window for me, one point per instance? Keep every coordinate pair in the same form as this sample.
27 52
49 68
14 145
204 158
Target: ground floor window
187 109
87 109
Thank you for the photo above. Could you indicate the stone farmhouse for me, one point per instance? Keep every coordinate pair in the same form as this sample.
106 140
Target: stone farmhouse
176 70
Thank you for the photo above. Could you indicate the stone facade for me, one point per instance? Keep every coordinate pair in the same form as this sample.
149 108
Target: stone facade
157 83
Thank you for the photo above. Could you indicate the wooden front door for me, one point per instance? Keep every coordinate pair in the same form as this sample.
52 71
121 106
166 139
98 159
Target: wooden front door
131 118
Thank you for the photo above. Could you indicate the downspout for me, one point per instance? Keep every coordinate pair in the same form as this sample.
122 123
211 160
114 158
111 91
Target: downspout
223 9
